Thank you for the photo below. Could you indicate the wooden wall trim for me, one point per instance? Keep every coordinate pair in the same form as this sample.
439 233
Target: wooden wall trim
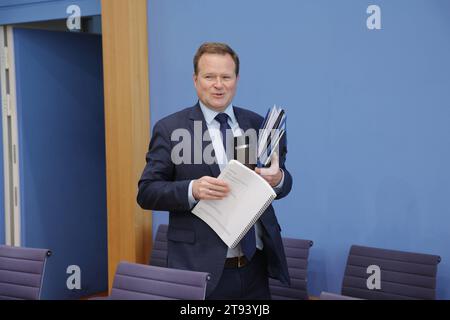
127 121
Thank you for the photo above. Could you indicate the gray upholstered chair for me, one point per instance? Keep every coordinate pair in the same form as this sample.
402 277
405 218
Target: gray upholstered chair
21 272
297 253
404 275
134 281
159 252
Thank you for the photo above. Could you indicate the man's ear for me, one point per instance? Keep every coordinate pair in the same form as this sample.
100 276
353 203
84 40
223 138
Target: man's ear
194 78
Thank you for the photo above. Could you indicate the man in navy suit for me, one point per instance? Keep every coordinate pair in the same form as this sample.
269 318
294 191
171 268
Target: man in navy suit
168 184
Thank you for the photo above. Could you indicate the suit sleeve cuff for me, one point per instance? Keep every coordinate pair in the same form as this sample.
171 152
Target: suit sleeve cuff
278 187
192 201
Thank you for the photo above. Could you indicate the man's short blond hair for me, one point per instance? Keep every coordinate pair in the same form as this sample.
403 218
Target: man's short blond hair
216 48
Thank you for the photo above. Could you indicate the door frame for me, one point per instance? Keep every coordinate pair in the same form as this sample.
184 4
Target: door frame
11 162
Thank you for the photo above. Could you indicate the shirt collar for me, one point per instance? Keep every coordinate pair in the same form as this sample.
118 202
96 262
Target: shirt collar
210 114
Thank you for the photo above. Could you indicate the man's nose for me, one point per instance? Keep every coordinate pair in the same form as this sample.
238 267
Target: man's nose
218 83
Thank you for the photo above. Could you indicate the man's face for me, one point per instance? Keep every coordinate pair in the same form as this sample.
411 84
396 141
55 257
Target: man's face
216 80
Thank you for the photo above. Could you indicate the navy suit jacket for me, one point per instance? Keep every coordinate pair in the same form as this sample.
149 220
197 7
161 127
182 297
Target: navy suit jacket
192 244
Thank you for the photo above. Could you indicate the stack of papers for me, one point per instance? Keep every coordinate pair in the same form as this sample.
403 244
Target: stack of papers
270 134
231 218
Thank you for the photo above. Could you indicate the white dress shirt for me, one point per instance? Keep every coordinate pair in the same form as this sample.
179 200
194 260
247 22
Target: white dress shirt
222 160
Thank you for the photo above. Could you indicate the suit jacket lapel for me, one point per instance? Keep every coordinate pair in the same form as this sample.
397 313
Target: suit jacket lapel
197 115
244 122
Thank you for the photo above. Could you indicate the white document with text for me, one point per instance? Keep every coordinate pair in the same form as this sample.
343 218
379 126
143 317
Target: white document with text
233 216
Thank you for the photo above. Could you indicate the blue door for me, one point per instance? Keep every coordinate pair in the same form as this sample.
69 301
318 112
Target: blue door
62 156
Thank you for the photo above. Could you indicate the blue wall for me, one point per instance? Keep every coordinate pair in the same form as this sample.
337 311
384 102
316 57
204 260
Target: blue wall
19 11
368 114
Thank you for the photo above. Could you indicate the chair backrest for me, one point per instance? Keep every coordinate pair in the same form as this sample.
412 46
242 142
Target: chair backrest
143 282
21 272
159 252
404 275
297 253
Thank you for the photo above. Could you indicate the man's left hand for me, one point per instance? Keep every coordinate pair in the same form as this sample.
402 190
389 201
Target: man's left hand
273 174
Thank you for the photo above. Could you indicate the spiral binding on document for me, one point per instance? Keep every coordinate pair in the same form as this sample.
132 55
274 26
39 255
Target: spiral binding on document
255 218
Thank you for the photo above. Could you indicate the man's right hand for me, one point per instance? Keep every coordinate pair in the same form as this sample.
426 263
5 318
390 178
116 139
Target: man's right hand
209 188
